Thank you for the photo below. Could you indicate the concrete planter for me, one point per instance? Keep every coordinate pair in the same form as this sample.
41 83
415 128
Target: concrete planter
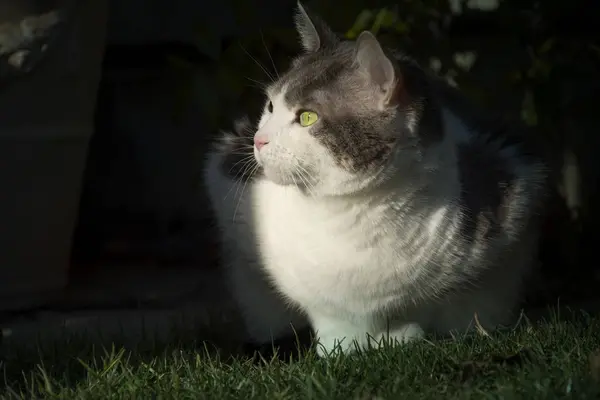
46 121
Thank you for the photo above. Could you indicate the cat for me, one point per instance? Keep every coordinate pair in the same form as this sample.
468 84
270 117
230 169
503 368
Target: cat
370 202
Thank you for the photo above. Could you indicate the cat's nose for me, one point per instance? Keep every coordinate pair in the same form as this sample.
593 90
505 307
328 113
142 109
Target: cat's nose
259 142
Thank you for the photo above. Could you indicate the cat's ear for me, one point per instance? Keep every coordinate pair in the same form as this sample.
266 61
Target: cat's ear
314 33
377 66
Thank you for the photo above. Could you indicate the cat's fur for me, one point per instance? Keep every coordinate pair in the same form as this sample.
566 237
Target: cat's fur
396 213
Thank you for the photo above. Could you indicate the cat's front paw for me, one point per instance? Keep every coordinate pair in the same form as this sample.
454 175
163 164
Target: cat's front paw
405 333
337 336
347 341
332 345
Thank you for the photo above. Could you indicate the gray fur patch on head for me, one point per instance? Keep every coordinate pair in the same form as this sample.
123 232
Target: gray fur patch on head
236 147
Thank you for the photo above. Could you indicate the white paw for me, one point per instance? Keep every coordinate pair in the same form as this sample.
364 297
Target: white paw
337 336
405 333
332 345
347 341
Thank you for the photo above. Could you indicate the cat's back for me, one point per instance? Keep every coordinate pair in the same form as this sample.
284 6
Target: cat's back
502 169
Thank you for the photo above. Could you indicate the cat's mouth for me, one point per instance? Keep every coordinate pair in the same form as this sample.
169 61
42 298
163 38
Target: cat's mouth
284 168
290 177
257 157
270 169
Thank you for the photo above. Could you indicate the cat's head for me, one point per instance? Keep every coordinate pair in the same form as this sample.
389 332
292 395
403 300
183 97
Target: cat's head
342 117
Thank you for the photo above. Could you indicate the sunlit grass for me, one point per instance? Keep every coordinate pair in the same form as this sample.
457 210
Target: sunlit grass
549 360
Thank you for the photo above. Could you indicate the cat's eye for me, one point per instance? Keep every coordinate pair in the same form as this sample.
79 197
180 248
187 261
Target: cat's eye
307 118
270 107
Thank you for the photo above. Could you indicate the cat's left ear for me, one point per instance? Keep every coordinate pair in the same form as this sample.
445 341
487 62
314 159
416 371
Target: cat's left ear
314 33
378 67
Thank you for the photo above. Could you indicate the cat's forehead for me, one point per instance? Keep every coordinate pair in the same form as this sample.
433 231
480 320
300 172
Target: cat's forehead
314 77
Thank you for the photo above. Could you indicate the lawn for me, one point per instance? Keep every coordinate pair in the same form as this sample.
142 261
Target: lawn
549 360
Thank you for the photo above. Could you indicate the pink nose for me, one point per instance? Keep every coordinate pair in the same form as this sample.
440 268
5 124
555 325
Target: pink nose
259 142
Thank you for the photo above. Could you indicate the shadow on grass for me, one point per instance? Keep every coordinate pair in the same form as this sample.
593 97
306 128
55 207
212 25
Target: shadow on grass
35 367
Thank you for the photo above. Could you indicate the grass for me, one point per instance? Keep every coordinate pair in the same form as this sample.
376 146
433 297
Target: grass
549 360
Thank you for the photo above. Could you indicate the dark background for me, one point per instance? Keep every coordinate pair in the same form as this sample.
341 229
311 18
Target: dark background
175 73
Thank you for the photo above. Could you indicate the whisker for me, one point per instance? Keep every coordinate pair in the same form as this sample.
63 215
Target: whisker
234 184
240 174
306 178
243 160
242 150
248 163
269 53
294 179
302 178
260 88
252 172
258 64
245 144
240 138
259 84
235 153
247 166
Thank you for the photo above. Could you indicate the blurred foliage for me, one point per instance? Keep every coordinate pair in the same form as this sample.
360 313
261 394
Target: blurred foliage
517 56
507 69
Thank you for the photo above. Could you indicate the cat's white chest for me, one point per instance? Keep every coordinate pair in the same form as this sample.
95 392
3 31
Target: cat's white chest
322 259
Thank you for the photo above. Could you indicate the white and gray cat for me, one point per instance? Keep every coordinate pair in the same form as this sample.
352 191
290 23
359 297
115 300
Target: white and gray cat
373 203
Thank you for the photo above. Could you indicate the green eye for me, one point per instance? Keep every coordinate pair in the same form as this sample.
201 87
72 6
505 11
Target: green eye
307 118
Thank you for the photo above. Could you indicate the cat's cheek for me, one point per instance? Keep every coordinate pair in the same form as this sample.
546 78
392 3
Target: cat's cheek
277 178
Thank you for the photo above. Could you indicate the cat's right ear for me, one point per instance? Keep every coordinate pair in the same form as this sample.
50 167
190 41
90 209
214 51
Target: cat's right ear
379 69
314 33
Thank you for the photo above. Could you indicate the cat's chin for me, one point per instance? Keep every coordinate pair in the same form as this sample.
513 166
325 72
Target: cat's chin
278 178
281 178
